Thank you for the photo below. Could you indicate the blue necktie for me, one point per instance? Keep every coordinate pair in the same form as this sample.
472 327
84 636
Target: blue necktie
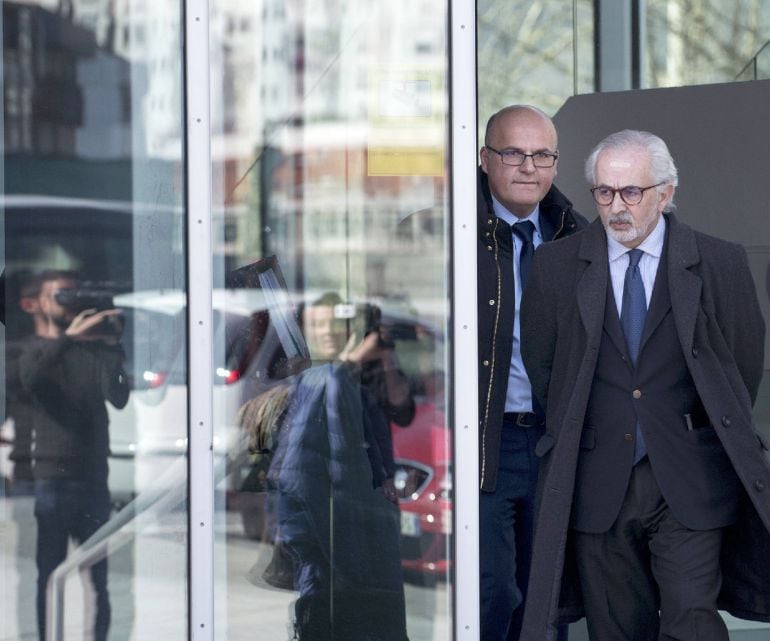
633 312
525 230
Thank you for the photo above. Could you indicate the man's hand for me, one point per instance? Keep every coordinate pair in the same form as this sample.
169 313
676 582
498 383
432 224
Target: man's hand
368 350
93 325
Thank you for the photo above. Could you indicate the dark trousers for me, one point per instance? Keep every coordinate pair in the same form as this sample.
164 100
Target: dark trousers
506 518
649 578
70 510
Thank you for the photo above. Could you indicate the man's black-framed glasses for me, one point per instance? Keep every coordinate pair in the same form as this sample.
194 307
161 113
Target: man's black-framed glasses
630 194
514 157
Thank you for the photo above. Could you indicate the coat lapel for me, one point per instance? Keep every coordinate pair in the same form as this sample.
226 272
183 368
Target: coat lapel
684 285
592 286
612 323
660 301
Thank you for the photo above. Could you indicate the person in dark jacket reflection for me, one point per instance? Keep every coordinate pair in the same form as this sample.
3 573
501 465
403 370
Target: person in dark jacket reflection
335 501
363 343
69 368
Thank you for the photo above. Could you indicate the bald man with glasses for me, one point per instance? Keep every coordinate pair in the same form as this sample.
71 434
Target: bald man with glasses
518 209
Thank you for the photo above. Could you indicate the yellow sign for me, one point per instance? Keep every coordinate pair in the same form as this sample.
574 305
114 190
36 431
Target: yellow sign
406 161
407 123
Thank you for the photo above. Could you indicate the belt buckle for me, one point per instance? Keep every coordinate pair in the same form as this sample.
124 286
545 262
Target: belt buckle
524 419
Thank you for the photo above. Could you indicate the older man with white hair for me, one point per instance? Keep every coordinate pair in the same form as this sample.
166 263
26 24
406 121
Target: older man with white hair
654 495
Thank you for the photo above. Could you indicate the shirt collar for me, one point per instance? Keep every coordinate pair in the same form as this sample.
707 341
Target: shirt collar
652 245
508 217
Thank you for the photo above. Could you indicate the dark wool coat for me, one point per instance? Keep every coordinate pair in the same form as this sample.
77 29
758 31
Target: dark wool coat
721 332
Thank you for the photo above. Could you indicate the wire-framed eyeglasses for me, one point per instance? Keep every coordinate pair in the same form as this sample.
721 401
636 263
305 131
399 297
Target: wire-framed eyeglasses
514 157
630 194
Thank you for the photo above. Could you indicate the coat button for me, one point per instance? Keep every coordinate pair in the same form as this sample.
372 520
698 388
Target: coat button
628 437
695 352
489 221
760 485
726 421
486 363
489 247
637 394
488 234
491 301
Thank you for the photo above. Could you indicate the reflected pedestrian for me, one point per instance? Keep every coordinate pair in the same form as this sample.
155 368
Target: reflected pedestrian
69 368
334 516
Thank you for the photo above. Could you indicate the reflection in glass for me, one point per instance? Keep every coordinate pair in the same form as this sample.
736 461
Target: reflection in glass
64 375
701 41
330 149
330 482
92 446
545 48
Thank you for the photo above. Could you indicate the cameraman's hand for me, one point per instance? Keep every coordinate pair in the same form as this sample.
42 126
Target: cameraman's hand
365 351
89 325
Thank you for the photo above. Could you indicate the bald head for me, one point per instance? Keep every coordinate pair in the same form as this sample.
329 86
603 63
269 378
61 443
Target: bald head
518 114
526 129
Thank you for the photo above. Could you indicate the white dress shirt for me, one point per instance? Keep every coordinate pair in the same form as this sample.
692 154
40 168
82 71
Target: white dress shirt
652 246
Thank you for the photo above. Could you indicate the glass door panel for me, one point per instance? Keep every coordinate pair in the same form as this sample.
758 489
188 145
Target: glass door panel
330 134
93 471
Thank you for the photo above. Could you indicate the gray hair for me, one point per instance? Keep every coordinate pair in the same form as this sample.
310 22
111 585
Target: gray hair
662 165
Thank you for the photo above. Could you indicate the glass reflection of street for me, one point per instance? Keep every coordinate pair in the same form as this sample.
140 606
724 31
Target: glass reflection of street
161 612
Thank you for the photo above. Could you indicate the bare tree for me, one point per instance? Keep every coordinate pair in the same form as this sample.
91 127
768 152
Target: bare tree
541 51
526 52
700 41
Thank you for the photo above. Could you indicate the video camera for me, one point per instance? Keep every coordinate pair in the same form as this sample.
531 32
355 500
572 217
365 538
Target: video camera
367 318
83 298
98 298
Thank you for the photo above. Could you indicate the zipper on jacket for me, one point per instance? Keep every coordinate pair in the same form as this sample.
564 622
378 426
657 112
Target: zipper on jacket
492 357
561 227
494 340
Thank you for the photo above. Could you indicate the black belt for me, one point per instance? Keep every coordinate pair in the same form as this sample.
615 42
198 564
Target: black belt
523 419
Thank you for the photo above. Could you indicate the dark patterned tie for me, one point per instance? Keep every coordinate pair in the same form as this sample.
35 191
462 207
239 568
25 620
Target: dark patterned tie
633 312
525 230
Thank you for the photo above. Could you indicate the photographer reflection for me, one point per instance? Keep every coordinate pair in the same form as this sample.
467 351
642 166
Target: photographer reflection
336 506
357 337
70 366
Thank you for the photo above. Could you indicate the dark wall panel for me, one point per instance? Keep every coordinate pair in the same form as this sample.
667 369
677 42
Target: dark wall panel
719 136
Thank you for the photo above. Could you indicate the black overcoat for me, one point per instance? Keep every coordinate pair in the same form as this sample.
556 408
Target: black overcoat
721 332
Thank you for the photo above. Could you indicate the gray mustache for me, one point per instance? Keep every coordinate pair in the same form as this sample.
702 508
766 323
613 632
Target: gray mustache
621 217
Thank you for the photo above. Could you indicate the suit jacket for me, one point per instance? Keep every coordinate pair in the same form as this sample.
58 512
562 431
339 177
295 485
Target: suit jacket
690 465
721 334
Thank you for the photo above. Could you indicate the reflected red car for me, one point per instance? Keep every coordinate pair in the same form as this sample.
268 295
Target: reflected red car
422 452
